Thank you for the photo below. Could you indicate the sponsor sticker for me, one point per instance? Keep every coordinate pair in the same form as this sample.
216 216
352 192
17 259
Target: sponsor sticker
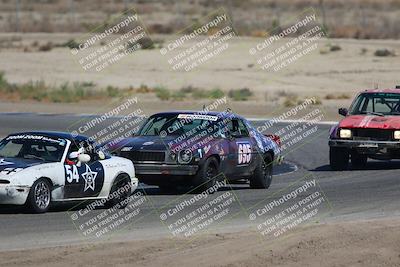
197 117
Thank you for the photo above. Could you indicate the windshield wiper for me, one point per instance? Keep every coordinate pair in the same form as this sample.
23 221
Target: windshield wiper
372 113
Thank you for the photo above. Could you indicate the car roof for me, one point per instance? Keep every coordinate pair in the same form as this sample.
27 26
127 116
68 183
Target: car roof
55 134
222 114
392 91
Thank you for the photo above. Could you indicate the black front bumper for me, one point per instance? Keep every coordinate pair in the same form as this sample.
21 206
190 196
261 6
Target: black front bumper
165 169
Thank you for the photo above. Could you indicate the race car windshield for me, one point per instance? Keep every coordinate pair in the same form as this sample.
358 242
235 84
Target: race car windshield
25 148
379 104
175 124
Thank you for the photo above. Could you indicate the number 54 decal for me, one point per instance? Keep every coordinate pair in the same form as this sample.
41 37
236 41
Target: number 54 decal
71 173
244 153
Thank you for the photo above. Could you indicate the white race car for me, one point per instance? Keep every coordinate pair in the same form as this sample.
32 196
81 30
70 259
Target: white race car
38 168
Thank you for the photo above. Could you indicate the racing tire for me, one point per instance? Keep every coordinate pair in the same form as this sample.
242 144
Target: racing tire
358 161
120 198
206 175
39 198
338 158
262 176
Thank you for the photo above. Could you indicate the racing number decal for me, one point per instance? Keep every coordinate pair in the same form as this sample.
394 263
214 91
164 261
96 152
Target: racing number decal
71 173
244 153
84 181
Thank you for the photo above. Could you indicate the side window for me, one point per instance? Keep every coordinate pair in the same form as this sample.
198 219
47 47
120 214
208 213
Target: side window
244 132
72 147
237 128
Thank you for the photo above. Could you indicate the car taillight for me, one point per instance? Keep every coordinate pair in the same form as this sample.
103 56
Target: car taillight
275 138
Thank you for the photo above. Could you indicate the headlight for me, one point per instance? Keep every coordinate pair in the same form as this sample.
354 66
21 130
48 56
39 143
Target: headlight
396 134
345 133
185 156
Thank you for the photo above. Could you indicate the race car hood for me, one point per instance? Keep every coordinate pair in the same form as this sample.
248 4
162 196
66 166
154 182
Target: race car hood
145 143
368 121
12 165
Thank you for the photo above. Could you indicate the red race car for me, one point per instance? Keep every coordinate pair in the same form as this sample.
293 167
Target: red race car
370 129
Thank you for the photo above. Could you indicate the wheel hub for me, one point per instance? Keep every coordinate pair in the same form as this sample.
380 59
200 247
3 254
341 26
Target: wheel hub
42 195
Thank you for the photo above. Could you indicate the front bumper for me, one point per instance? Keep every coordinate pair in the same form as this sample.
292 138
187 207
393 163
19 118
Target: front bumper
165 169
364 144
14 195
375 149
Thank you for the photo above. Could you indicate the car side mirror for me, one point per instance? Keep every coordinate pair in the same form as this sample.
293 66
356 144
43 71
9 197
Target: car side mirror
343 111
73 155
84 158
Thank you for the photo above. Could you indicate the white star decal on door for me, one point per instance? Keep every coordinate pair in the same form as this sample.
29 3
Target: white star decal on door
90 177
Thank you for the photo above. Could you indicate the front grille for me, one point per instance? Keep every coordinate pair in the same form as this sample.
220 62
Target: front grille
137 156
373 134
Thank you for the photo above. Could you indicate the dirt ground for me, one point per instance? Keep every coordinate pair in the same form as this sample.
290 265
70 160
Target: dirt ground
347 70
357 243
319 73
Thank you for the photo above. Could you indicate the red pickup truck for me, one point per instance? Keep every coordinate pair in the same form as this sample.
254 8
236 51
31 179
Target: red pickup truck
370 129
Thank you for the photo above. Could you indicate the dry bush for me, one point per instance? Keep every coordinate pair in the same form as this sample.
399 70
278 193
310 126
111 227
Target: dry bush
384 53
345 19
339 96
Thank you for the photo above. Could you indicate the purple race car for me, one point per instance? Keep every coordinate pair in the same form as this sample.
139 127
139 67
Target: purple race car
200 148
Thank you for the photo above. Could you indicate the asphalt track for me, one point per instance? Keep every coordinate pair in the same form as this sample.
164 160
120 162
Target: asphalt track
353 194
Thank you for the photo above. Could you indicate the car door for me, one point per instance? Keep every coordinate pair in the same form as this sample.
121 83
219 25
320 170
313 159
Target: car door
83 180
242 149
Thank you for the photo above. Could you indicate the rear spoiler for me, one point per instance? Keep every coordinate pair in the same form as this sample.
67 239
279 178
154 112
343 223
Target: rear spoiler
275 138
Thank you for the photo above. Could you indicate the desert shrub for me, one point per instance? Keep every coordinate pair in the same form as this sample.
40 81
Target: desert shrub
290 101
112 91
32 90
144 89
317 102
71 44
200 94
363 51
178 95
240 94
146 43
162 93
283 93
384 53
324 51
344 96
339 96
188 89
334 48
46 47
216 93
4 85
330 96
